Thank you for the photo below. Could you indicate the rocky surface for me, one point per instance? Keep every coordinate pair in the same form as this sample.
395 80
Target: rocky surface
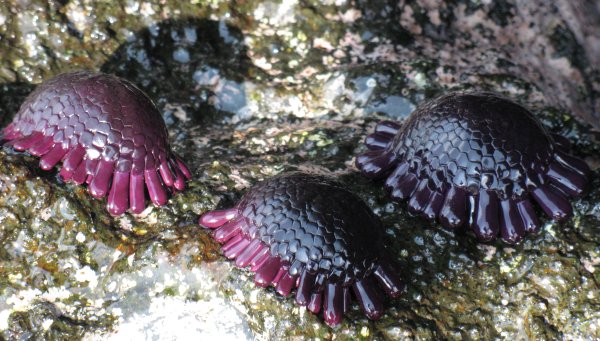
250 89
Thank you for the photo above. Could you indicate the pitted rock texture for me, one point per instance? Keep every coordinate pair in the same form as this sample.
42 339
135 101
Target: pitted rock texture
107 115
312 220
476 141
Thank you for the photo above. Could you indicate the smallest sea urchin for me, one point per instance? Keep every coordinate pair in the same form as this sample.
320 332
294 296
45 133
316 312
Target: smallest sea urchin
307 232
476 160
106 132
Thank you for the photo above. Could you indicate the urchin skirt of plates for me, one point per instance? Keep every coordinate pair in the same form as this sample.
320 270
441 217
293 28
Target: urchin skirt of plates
308 232
478 161
107 133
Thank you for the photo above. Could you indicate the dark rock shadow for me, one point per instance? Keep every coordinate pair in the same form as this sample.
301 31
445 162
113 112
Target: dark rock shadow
11 97
197 64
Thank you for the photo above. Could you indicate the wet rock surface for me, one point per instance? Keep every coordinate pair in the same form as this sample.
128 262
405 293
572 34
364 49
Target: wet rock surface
252 89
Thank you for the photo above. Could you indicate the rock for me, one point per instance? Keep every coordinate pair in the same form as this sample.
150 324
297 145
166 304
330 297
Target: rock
251 89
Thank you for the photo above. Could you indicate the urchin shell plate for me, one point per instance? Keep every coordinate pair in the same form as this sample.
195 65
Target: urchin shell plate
476 159
307 232
106 132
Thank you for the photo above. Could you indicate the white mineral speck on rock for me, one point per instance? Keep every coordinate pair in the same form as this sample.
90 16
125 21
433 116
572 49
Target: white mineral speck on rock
130 260
86 274
178 111
132 7
46 213
590 264
263 63
146 10
504 268
21 301
333 89
171 318
4 315
125 223
276 14
66 210
489 250
420 79
80 237
321 43
13 278
56 294
78 16
116 312
181 55
127 284
47 324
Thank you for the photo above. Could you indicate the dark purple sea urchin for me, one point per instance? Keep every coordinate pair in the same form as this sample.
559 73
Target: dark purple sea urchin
106 132
476 159
308 232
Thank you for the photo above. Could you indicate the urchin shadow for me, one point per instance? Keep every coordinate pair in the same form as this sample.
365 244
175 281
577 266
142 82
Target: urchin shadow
11 97
197 64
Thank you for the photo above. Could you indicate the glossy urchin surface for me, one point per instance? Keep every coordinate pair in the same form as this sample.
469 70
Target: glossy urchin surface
107 133
307 232
476 160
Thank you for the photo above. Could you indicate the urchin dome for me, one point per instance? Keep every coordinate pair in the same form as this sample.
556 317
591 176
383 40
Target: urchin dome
314 220
106 132
476 159
476 141
308 232
105 114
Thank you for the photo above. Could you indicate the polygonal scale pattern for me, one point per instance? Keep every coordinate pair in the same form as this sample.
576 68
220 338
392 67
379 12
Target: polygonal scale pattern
108 116
313 220
475 141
